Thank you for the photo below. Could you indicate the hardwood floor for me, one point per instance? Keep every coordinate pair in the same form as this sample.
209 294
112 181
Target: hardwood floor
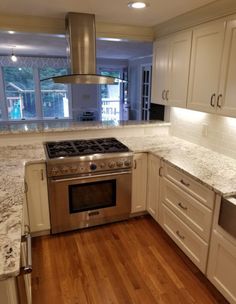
127 262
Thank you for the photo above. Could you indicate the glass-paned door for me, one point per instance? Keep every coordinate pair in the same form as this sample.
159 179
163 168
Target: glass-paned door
111 96
146 75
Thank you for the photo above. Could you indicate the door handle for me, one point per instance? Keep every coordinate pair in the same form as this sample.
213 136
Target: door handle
218 101
182 237
42 174
182 206
163 94
28 267
212 103
167 94
184 183
135 164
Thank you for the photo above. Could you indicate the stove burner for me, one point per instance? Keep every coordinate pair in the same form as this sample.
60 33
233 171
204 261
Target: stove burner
84 147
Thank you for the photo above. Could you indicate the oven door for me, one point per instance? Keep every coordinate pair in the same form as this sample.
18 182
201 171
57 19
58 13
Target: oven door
77 202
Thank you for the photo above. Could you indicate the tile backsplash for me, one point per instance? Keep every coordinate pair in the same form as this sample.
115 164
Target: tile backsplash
212 131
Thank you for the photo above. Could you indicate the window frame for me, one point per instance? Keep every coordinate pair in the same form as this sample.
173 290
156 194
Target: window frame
38 105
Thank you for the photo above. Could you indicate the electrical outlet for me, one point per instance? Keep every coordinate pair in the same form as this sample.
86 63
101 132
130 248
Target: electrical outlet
205 130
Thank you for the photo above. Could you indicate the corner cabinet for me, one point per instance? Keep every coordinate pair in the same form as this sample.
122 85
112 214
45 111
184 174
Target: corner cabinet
139 182
171 60
37 197
153 186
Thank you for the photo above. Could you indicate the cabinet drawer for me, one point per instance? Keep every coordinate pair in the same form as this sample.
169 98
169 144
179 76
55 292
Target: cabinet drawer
200 192
192 212
191 244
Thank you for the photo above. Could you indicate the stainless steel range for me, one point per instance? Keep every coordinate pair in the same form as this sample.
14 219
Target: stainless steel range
89 182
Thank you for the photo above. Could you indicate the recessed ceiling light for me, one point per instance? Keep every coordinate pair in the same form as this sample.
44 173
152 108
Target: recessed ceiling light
137 5
11 32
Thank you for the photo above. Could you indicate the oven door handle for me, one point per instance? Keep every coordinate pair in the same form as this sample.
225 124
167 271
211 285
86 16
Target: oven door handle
89 177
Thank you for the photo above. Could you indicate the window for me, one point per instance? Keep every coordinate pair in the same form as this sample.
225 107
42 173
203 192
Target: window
54 96
19 93
23 96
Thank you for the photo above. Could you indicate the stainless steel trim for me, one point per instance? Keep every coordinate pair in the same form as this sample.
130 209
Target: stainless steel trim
227 215
212 103
59 180
28 267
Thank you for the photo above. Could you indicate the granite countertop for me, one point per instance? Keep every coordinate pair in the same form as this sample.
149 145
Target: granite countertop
68 126
12 164
214 170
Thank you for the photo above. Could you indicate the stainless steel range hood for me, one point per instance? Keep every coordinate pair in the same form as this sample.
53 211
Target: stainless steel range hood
81 33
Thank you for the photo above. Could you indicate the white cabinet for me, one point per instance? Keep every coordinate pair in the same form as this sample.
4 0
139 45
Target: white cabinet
171 60
9 292
205 69
221 269
226 99
186 213
37 197
139 182
153 186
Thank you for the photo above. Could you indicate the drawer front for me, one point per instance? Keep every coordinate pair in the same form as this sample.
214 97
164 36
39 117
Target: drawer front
200 192
191 244
192 212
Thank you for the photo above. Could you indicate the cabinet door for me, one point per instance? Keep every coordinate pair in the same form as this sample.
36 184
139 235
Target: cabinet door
207 47
37 197
226 98
153 186
222 266
179 62
139 182
160 71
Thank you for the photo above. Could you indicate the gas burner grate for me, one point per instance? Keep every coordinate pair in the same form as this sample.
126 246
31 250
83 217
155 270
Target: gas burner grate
84 147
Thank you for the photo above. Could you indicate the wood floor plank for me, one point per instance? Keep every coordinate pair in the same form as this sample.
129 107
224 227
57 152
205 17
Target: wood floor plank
132 262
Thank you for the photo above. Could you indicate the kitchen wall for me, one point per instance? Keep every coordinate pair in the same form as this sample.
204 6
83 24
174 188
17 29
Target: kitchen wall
209 130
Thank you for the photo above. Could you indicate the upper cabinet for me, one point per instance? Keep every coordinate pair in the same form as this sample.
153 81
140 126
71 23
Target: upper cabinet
205 69
226 96
171 60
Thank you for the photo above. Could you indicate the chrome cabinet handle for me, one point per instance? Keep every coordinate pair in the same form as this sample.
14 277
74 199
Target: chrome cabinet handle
182 206
182 237
212 103
135 164
163 94
42 174
184 183
28 267
218 101
167 95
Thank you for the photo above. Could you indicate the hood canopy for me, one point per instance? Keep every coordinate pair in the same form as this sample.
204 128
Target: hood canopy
81 35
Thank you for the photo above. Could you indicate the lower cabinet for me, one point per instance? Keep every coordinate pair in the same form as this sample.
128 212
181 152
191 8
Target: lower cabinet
222 266
153 186
139 182
9 291
37 197
186 213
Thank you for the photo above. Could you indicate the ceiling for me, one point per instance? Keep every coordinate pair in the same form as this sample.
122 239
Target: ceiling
108 11
27 44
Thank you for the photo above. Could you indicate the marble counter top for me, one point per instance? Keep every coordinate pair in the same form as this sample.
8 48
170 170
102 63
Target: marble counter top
214 170
12 164
68 126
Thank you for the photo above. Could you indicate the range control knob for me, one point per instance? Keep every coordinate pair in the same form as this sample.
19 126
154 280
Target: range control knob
102 165
111 164
119 164
65 170
54 171
93 167
127 163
